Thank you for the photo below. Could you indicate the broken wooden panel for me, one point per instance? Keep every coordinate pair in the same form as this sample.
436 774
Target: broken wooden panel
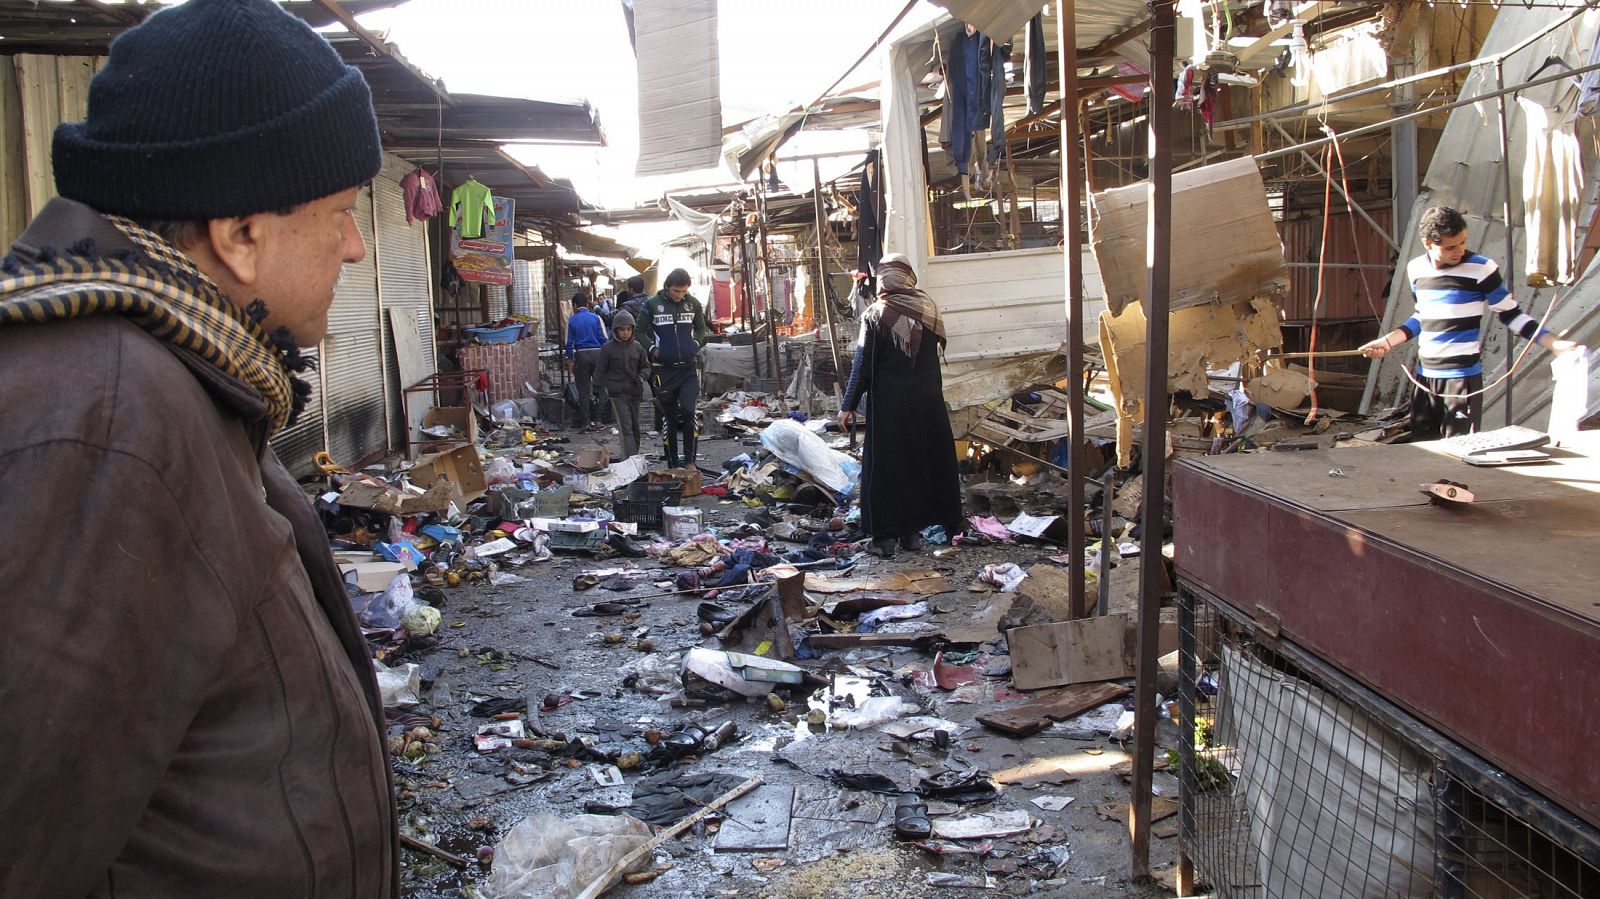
1069 652
1280 388
1228 198
1200 338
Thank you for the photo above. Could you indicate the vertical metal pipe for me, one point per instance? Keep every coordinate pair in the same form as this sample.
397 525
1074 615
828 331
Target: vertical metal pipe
822 271
1188 670
773 369
747 310
1072 250
383 348
1154 455
1107 488
1505 214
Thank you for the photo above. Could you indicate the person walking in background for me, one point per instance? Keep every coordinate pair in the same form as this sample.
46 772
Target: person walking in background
586 334
1453 288
633 298
623 371
909 479
674 331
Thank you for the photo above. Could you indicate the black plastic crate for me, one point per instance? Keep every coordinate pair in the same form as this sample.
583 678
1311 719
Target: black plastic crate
641 502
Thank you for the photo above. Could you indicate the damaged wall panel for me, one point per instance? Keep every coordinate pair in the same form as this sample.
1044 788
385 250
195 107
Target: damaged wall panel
1228 198
1201 338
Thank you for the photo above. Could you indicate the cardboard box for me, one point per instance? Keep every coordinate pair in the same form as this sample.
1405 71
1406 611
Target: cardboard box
593 458
690 476
460 467
373 577
461 418
383 498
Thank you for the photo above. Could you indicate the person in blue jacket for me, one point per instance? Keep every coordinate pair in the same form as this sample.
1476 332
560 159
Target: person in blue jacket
586 334
673 329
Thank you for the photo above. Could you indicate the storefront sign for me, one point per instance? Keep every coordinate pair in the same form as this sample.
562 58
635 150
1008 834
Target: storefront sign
487 259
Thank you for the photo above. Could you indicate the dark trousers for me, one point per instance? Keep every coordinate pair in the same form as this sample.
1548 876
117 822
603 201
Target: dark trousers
678 390
585 361
1448 410
626 410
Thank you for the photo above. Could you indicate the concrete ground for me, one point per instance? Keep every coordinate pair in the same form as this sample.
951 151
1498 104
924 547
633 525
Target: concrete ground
521 641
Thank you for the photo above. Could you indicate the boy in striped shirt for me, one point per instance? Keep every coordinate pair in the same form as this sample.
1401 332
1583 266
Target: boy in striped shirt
1453 287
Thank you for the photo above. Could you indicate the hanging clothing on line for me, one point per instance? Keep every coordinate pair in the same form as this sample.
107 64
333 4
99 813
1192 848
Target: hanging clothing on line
1036 64
1589 96
471 209
421 196
999 55
869 234
1552 192
964 97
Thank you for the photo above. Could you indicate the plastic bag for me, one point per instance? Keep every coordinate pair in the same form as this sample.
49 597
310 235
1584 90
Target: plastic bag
500 470
547 857
386 610
398 686
505 410
790 441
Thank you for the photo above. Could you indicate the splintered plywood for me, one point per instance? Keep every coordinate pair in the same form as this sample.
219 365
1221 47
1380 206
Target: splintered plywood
1080 651
1227 201
1199 338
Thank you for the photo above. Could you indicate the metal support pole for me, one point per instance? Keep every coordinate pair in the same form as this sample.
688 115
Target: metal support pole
773 369
1505 214
1188 674
748 309
822 271
1107 489
1154 455
1072 248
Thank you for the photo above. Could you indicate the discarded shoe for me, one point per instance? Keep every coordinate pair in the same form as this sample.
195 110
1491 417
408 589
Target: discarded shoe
600 610
911 818
711 613
869 781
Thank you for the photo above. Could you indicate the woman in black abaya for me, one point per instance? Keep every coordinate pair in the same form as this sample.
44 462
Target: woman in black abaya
908 471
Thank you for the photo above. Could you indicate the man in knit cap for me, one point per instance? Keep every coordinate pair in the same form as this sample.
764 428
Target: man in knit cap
197 713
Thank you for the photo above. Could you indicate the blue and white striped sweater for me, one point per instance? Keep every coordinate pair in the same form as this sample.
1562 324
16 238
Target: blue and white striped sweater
1448 321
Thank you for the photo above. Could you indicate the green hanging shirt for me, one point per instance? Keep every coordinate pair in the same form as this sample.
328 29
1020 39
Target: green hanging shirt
471 205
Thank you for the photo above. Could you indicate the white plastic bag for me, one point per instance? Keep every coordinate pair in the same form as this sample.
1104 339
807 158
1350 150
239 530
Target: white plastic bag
547 857
790 441
398 686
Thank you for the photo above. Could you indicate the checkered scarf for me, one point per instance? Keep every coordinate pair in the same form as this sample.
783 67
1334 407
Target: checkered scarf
159 289
902 310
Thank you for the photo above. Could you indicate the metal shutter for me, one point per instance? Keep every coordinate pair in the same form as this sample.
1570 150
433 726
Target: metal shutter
405 280
352 356
499 307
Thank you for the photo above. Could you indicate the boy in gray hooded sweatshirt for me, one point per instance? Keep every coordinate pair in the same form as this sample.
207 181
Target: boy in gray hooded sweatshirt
623 369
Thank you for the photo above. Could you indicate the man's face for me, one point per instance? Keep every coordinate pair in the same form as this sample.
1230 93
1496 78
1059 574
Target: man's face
676 293
301 255
1450 250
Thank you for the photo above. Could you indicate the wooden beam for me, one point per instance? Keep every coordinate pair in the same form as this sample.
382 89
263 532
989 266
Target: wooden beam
1105 47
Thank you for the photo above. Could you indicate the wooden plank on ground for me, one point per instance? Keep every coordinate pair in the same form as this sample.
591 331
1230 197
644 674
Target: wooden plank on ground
1069 652
759 821
1059 705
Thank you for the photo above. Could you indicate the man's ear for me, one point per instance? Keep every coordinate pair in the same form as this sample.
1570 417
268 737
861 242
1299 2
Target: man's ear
236 243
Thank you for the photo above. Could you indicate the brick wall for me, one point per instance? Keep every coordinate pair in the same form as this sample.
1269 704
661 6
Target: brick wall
508 365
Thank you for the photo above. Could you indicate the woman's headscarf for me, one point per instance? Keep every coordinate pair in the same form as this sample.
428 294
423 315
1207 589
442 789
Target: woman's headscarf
902 310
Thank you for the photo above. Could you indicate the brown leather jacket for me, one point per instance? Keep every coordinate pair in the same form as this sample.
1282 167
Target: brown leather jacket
191 707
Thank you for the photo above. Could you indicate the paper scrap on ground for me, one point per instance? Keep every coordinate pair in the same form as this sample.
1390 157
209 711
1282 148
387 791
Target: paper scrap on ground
1052 803
972 827
1032 525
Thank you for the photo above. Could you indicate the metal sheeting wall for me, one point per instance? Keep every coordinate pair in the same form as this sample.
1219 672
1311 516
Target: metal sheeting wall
527 287
1344 295
37 93
405 283
352 355
499 305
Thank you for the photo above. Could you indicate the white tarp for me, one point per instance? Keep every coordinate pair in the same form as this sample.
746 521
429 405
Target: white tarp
1332 797
680 97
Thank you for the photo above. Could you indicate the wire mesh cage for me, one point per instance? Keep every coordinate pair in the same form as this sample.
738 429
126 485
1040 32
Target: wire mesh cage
1300 782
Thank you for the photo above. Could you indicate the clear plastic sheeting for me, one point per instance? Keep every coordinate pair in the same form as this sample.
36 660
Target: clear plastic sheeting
1335 803
794 443
547 857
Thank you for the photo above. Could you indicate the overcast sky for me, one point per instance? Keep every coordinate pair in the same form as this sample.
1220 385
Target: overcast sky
772 52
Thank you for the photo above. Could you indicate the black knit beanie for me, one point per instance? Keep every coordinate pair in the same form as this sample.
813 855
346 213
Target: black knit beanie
218 108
